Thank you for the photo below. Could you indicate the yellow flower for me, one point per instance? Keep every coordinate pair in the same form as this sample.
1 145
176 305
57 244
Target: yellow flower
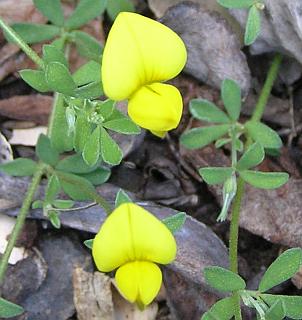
132 241
140 53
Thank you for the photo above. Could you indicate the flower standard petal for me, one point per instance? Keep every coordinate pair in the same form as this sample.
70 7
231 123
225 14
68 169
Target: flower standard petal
139 51
132 233
139 281
157 107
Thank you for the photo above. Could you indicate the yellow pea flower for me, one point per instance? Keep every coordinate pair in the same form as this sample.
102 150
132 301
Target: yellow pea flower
139 54
132 241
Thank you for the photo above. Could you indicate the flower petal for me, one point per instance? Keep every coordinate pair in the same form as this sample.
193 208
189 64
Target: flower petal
139 281
131 233
139 51
157 107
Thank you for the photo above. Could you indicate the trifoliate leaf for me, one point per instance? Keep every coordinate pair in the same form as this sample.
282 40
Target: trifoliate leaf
51 10
20 167
36 79
221 310
236 3
45 151
174 223
252 157
223 280
264 180
122 197
91 152
263 134
52 54
207 111
86 11
282 269
9 309
33 33
59 78
215 175
231 97
200 137
253 26
110 151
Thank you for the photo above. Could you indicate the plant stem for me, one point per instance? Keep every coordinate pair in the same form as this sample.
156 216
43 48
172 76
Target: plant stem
20 220
234 228
21 43
267 88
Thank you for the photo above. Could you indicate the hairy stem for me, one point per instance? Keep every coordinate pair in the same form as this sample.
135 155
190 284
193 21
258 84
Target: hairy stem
21 43
20 220
267 88
234 228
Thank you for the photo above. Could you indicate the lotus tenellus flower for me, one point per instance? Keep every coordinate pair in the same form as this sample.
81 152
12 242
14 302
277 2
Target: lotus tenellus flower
139 55
133 241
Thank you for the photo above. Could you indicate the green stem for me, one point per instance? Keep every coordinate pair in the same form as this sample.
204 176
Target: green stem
267 88
21 43
20 220
234 228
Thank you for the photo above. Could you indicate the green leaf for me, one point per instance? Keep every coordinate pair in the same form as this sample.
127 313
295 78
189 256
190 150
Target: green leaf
63 204
74 164
82 132
9 309
223 280
33 33
52 189
110 151
263 134
45 151
59 78
98 176
91 152
276 311
51 10
221 310
253 26
78 188
122 197
89 243
114 7
20 167
90 91
282 269
174 223
54 219
231 97
200 137
292 304
87 73
52 54
239 145
221 142
236 3
88 46
264 180
125 126
86 11
59 43
61 139
215 175
106 108
252 157
38 204
36 79
207 111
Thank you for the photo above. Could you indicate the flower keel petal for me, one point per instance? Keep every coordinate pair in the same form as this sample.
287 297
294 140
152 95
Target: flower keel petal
139 281
157 107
